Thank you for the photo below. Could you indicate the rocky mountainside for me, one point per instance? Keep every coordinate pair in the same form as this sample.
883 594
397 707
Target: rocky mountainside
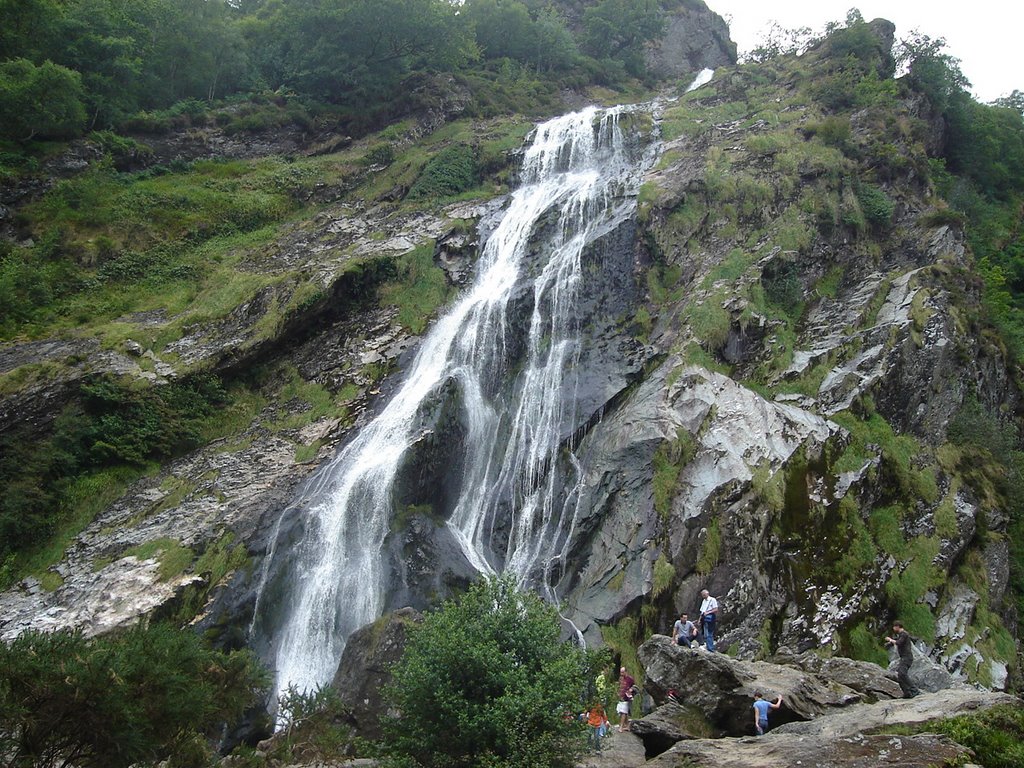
783 357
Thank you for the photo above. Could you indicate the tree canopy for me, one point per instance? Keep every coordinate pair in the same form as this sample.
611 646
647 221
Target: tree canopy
132 698
486 681
114 59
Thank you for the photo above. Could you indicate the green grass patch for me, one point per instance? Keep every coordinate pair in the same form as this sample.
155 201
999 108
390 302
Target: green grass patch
663 283
695 354
420 290
710 321
668 461
173 558
664 575
864 645
82 499
730 269
828 286
446 174
218 561
711 550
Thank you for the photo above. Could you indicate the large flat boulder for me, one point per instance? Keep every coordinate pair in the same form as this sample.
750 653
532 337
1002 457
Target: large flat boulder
722 687
786 751
862 676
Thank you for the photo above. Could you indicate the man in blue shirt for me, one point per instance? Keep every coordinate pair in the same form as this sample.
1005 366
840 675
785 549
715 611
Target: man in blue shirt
761 709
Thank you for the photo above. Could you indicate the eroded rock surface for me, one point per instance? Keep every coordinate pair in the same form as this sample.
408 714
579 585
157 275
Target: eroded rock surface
365 668
722 688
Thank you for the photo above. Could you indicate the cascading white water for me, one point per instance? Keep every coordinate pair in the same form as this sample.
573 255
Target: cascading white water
578 183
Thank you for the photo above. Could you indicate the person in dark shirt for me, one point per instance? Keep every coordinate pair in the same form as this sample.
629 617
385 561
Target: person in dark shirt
905 647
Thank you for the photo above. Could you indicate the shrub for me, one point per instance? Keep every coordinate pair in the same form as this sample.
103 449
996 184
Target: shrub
878 209
138 697
485 681
450 172
312 725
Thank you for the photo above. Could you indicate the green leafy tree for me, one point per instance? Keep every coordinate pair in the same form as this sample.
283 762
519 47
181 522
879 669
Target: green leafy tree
44 100
618 29
930 70
355 52
503 28
134 698
29 28
485 681
1014 101
555 46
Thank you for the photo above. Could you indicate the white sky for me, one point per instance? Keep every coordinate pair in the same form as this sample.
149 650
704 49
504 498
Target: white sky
986 35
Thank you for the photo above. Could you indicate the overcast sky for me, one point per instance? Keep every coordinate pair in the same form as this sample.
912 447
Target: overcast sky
986 35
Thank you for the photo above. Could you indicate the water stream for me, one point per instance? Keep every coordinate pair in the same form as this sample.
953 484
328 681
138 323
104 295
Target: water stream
579 181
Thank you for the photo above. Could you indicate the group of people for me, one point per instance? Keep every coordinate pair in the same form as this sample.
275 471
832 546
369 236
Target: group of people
685 632
596 719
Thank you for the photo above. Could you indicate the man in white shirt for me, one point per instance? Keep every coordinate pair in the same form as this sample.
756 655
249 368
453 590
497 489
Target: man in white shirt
708 617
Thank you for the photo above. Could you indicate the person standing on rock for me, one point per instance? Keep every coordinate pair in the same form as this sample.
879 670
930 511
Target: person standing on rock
626 692
683 631
905 647
761 709
708 617
597 723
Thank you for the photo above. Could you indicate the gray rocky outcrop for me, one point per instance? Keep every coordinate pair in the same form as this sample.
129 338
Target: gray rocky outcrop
862 676
722 688
365 668
786 751
822 721
695 38
732 432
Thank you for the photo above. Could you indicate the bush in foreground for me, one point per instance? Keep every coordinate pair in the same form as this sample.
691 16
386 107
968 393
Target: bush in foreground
486 681
134 698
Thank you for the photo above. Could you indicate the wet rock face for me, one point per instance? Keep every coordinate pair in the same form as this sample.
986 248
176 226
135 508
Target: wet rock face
364 670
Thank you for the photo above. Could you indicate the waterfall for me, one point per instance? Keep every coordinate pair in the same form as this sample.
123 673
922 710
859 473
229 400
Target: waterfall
579 181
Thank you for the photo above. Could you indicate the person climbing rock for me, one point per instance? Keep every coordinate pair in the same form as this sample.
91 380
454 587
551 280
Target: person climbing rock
627 690
708 617
683 631
761 709
905 647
